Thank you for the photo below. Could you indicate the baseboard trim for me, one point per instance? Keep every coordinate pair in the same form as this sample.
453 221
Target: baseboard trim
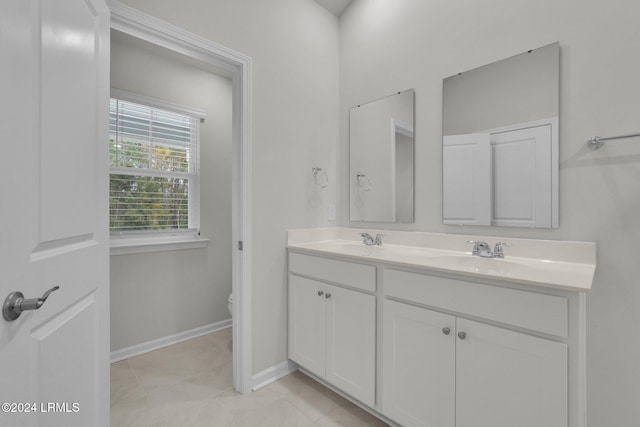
274 373
145 347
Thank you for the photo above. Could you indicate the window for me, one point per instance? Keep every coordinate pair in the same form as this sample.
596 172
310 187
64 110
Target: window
154 170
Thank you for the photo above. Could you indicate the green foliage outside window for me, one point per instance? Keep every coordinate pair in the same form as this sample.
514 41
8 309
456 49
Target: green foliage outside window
143 202
153 158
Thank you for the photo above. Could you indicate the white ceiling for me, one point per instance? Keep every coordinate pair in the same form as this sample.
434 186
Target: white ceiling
334 6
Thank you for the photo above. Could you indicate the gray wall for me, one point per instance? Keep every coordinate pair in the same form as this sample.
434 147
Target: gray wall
389 46
155 295
519 89
294 47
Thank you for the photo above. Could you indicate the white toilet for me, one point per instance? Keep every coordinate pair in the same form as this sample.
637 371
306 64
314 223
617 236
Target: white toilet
230 305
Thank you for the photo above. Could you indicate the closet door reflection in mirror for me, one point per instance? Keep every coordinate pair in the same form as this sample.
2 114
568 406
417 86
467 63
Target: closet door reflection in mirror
381 159
500 142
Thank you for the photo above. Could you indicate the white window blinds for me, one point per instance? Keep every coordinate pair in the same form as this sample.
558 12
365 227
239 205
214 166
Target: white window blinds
154 169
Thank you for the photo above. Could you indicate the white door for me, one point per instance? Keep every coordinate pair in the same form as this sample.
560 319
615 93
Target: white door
307 324
418 366
466 179
54 361
506 378
351 342
522 193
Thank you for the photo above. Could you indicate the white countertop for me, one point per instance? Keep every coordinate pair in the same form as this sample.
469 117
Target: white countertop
558 264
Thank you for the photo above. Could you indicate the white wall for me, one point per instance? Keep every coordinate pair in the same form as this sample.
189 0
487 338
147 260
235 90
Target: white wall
389 46
523 88
155 295
294 48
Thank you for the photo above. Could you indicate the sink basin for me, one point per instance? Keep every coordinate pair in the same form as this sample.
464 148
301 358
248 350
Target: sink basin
476 264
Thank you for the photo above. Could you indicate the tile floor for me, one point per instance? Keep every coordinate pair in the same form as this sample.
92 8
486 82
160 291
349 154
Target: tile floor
190 384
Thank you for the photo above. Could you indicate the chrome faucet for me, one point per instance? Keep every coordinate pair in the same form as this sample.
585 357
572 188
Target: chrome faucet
497 250
483 250
368 239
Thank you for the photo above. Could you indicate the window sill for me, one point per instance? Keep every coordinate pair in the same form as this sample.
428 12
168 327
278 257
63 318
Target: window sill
126 246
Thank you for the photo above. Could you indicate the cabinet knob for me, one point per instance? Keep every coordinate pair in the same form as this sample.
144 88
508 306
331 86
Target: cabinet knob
328 295
446 331
320 293
462 335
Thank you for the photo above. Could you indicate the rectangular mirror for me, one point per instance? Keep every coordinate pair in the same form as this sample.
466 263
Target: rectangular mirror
381 159
500 142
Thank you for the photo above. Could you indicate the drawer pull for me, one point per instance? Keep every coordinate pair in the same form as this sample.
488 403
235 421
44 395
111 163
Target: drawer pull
320 293
462 335
446 331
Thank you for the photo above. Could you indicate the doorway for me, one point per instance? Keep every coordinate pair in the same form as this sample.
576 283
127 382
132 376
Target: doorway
222 60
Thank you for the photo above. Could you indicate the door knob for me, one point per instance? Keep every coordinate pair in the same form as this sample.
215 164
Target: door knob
320 293
15 304
446 331
327 295
462 335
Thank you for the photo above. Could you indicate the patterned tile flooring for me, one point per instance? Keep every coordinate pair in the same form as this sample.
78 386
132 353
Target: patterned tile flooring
190 384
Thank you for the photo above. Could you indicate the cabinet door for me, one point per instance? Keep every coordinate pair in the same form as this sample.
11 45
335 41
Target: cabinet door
507 379
418 366
351 342
466 179
307 324
522 191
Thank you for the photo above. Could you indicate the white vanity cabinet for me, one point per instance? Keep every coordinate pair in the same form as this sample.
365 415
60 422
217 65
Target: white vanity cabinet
332 329
441 369
426 338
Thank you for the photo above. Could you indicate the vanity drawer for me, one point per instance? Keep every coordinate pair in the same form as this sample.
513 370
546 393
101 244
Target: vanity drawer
539 312
346 273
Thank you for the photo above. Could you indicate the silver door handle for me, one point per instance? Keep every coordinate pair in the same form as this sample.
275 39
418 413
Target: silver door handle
15 304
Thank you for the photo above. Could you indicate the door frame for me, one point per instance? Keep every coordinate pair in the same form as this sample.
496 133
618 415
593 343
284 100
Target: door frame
153 30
